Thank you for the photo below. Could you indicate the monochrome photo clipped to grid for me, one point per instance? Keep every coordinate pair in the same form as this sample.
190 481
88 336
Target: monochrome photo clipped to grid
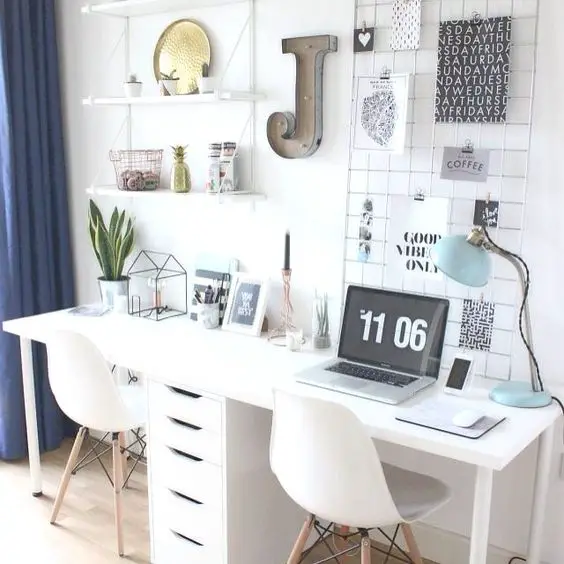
381 176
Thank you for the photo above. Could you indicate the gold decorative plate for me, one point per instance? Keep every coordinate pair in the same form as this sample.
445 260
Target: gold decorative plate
185 48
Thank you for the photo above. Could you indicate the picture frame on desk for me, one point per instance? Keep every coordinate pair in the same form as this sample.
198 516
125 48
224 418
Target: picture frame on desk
246 306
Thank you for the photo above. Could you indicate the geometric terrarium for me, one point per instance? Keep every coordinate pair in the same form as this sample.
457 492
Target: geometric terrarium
157 286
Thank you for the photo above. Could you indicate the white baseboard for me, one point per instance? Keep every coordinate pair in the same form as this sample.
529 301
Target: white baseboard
445 547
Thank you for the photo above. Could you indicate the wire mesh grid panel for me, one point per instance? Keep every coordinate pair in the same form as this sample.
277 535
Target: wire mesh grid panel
384 178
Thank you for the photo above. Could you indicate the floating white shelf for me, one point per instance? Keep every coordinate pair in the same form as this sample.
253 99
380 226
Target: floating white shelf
241 196
211 98
131 8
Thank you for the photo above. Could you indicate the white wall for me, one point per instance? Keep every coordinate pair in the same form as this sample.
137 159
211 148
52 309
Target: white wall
308 196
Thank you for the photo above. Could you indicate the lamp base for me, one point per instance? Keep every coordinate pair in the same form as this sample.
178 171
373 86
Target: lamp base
520 394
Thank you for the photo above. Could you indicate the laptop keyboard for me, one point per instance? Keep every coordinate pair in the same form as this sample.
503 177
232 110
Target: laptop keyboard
372 374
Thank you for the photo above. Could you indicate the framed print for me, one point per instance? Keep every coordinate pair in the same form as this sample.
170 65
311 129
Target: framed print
246 305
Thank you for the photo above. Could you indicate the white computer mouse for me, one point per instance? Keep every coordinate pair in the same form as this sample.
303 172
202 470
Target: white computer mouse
467 418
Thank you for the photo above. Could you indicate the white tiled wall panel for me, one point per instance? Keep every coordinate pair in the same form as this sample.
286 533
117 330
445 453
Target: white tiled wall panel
381 176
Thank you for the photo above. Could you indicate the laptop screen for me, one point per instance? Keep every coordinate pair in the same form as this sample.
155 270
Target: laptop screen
394 330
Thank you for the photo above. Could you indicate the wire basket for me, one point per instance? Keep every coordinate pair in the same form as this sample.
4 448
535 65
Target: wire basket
137 171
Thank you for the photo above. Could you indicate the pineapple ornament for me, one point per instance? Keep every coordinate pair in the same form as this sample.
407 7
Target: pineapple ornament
180 180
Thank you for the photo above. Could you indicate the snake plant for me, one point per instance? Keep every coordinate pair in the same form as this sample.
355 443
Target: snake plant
322 315
113 244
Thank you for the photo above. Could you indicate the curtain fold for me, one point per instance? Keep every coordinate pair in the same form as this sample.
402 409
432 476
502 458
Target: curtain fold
36 271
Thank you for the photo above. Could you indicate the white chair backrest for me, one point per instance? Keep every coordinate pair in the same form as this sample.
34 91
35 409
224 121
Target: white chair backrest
327 462
83 384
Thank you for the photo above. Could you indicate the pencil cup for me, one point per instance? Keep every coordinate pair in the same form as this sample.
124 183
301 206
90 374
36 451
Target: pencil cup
208 315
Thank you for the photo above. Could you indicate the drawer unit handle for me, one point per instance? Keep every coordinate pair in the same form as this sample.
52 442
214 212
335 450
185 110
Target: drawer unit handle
184 424
186 538
184 392
185 455
182 496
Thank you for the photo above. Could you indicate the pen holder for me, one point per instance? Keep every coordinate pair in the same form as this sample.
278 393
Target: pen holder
208 315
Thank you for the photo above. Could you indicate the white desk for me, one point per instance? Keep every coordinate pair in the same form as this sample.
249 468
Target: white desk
178 352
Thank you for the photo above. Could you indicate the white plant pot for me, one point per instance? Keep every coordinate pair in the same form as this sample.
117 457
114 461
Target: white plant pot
169 87
206 85
133 89
110 289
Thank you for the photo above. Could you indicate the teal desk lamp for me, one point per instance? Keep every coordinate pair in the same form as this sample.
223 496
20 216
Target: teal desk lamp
466 259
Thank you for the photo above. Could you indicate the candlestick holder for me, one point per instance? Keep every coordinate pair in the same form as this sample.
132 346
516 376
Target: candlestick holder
278 336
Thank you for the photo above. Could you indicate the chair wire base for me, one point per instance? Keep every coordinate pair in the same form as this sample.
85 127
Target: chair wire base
96 455
325 532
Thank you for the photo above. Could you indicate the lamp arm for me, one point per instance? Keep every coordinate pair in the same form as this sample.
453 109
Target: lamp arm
525 313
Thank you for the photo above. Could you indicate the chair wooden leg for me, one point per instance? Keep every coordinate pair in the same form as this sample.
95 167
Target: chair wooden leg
412 547
298 549
64 483
340 543
118 483
122 446
365 550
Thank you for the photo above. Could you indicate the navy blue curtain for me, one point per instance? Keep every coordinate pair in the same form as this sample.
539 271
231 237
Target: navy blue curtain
36 273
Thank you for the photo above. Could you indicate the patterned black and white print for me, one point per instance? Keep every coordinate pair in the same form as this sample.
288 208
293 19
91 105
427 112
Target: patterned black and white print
477 325
406 25
380 115
381 106
473 71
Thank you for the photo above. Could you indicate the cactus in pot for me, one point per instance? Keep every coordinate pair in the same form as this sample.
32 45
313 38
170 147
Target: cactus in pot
112 245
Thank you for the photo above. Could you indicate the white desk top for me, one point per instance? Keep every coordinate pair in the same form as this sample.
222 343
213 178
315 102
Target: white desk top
179 352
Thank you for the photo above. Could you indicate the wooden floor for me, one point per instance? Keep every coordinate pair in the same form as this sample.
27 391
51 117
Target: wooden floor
85 530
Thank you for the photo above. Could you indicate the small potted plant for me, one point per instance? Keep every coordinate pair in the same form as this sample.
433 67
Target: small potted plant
169 83
321 337
132 87
112 245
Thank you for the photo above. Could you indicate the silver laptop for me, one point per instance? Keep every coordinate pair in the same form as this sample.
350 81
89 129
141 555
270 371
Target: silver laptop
390 346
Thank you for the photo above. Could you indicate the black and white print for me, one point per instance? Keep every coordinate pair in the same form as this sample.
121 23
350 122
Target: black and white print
381 113
477 325
363 40
205 278
473 71
365 230
486 213
413 228
406 25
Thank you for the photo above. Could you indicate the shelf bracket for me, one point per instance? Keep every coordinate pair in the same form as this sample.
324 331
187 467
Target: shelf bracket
234 50
99 171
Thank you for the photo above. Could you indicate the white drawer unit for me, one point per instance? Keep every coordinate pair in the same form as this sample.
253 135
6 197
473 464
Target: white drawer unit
172 547
210 486
186 436
186 406
187 474
198 521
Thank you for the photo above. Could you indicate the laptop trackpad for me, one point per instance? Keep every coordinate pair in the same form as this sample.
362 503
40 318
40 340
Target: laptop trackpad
349 383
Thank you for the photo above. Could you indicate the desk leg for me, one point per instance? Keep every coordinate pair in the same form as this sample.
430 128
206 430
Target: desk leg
544 458
481 517
31 416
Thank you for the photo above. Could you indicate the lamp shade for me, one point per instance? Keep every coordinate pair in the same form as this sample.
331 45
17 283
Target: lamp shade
462 261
